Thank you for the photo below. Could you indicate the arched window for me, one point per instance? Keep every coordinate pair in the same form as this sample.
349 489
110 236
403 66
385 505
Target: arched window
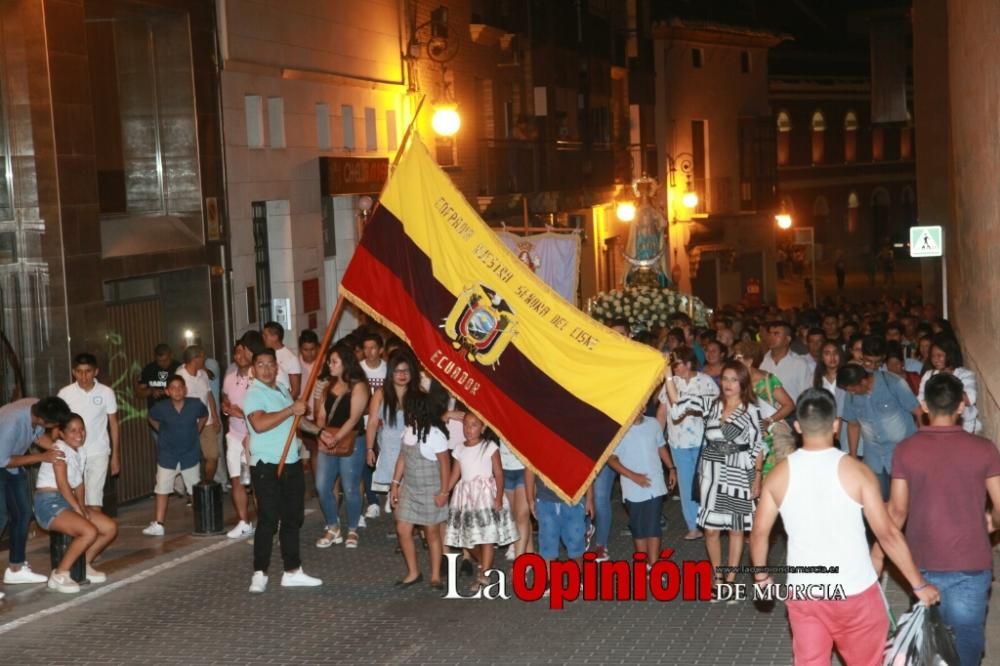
821 217
906 139
878 144
818 125
784 138
908 207
850 137
852 212
881 229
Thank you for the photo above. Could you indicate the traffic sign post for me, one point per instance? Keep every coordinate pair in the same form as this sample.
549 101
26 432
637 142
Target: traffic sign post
929 242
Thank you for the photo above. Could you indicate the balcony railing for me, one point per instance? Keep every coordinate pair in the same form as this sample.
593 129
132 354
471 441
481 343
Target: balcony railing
509 166
716 195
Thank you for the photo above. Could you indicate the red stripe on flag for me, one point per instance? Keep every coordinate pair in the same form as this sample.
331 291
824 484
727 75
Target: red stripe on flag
552 456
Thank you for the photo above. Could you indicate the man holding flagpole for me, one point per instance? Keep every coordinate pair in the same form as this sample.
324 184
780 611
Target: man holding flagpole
270 414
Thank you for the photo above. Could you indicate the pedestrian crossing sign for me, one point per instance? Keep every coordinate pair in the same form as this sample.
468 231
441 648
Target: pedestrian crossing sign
926 241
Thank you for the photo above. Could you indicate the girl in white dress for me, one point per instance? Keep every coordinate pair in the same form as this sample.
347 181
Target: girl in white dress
479 517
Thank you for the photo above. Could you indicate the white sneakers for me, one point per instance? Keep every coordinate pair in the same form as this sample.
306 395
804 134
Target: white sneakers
22 576
361 522
63 583
95 576
298 578
259 582
242 529
388 504
154 529
372 511
511 553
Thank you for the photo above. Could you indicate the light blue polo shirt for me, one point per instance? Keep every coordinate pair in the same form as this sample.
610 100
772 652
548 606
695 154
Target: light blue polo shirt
639 450
267 446
16 431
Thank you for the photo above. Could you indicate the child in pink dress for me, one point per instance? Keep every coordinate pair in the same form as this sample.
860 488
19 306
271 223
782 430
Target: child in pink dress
479 517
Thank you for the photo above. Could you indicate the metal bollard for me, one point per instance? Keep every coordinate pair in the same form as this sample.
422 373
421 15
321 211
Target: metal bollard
207 502
110 505
58 543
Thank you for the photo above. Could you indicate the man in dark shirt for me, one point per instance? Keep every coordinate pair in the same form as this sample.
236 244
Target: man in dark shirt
941 477
152 382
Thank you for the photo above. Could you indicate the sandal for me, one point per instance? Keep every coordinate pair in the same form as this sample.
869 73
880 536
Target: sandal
329 538
352 540
719 580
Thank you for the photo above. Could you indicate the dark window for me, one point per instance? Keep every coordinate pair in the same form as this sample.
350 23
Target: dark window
698 153
696 58
745 62
262 262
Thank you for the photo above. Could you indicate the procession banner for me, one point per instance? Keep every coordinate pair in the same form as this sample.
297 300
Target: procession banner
558 386
555 258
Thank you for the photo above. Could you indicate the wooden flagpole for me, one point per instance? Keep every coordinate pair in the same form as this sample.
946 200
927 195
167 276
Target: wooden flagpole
338 311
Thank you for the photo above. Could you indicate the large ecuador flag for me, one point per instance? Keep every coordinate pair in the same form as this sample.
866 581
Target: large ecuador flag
558 386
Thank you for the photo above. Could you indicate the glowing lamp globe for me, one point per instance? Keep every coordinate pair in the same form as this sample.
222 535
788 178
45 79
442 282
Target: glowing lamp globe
690 200
625 211
446 121
784 220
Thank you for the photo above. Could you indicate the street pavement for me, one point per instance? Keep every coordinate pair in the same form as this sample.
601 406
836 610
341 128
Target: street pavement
184 600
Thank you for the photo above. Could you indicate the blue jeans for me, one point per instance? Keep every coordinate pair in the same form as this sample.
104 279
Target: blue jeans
604 483
563 523
964 598
15 506
686 461
366 480
348 469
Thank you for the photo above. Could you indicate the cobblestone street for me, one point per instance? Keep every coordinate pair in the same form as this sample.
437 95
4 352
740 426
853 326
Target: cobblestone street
191 606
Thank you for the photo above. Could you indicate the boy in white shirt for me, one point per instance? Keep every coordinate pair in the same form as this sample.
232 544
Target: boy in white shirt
97 405
289 369
640 458
199 386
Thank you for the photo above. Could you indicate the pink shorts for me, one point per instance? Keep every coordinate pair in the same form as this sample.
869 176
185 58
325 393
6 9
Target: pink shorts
857 626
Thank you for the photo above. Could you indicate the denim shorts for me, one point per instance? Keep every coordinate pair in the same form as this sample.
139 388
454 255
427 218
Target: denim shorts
560 522
48 505
512 478
644 518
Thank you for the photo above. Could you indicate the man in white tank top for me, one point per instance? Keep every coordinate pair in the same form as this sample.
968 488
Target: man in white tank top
821 494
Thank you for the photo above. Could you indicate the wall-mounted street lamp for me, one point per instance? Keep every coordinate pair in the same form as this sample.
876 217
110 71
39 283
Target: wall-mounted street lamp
684 162
433 39
783 220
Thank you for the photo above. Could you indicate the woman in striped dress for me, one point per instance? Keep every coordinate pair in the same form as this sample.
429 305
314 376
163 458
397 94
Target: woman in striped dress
731 460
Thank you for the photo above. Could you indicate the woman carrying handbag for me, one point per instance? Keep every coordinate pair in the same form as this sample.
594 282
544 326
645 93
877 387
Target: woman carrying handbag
341 451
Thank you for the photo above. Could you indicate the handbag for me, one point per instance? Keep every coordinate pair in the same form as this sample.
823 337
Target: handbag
345 445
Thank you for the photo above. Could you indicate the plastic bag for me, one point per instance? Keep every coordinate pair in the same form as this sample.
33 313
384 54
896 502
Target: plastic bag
921 639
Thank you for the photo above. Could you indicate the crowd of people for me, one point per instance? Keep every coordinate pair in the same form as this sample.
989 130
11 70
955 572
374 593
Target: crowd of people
834 418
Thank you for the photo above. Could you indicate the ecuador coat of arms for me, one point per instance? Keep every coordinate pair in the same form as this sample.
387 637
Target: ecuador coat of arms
481 323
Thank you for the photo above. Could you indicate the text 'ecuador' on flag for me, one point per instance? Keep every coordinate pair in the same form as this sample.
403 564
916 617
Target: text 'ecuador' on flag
558 386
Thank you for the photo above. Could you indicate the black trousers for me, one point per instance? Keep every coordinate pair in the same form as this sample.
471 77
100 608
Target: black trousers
279 501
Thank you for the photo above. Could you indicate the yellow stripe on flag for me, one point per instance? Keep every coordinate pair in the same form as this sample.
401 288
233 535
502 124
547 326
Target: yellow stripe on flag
599 366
